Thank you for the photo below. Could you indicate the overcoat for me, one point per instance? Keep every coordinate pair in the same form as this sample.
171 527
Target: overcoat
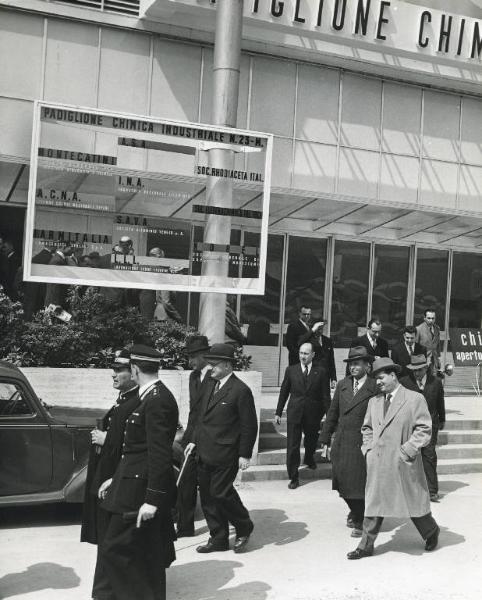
102 465
346 416
396 485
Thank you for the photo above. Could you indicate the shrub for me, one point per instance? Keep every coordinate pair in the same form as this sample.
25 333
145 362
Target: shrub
97 328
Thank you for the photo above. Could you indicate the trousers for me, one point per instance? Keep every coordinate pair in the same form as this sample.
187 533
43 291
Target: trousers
429 460
425 525
311 429
187 497
221 503
357 509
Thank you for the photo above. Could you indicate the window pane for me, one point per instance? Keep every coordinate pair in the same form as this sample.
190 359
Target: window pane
305 279
260 315
350 291
389 302
431 284
466 297
12 401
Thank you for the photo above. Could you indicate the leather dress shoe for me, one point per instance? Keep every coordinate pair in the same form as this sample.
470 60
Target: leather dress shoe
434 497
212 547
293 484
350 522
359 553
181 534
432 542
241 541
311 465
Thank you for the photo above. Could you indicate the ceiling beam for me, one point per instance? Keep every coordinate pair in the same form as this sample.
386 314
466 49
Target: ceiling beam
15 183
292 211
461 234
340 216
408 212
421 228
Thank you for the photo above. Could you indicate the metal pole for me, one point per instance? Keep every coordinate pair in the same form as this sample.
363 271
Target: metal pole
219 191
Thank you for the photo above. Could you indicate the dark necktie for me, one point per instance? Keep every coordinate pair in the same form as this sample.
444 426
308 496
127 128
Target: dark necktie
305 375
216 387
410 349
355 386
196 378
386 404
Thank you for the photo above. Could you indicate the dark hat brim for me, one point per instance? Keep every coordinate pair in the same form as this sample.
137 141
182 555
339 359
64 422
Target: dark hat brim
367 357
417 367
197 350
210 357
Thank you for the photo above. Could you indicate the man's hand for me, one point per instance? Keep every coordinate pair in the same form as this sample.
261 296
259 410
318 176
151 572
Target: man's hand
146 512
441 425
325 451
189 448
317 326
103 488
98 437
243 463
277 420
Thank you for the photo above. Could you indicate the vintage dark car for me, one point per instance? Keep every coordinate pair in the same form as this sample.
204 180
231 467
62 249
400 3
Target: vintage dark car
43 449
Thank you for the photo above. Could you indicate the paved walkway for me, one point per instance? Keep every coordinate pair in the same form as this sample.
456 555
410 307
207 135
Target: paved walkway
297 552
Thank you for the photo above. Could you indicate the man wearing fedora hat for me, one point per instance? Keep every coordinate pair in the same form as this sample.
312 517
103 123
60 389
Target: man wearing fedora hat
196 348
105 454
224 437
345 416
421 379
397 426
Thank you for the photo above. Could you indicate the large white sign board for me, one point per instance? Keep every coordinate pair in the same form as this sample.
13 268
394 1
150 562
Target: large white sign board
123 199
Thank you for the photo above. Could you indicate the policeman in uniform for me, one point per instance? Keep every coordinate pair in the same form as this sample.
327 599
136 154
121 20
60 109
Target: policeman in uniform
139 541
104 457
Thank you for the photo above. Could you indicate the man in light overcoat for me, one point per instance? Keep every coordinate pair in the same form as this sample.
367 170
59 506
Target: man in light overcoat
397 426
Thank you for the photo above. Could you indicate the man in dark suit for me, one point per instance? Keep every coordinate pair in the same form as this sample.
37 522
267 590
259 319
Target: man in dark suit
323 348
305 386
104 457
423 381
196 347
295 330
408 347
139 541
56 293
371 340
224 438
33 292
345 416
428 334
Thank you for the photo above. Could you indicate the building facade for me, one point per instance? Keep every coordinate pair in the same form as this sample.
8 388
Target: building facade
377 169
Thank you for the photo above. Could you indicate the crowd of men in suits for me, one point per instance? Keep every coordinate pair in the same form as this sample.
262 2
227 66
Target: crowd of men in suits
382 421
381 424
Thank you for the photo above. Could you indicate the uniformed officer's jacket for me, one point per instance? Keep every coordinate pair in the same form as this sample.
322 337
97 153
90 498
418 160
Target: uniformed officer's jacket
113 423
145 472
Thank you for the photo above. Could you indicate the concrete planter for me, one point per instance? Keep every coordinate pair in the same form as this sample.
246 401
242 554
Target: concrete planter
92 388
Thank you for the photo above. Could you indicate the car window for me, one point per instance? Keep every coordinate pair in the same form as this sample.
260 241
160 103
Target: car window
12 400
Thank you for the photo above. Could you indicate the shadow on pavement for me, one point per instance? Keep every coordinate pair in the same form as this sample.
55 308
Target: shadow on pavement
446 487
45 515
272 526
41 576
208 580
407 540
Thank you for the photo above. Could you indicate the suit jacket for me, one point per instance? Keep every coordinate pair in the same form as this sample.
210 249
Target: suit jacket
102 465
295 330
304 396
433 393
396 482
432 343
56 293
345 416
145 473
195 405
228 425
324 352
11 265
380 350
400 355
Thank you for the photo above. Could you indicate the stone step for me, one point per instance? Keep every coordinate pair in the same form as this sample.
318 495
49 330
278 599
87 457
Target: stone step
460 436
278 472
450 451
278 457
457 424
452 466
